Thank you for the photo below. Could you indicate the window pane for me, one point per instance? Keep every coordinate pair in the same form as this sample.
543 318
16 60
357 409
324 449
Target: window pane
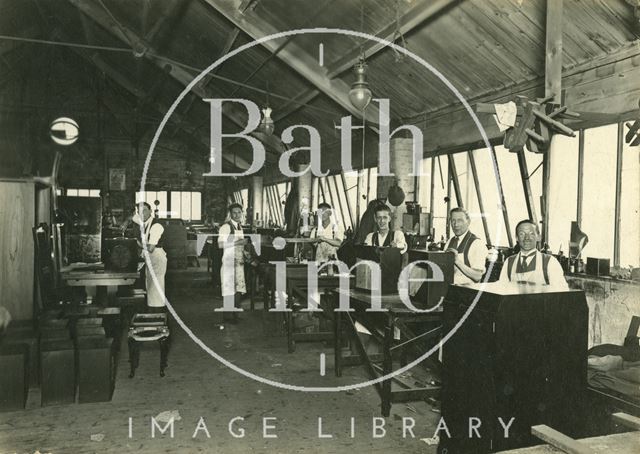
534 166
351 178
372 182
94 192
469 195
162 208
598 209
83 192
424 185
439 202
512 186
563 191
630 207
489 191
185 206
342 211
175 204
460 160
196 206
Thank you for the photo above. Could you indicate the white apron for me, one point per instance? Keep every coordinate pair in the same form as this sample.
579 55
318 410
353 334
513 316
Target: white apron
155 293
232 269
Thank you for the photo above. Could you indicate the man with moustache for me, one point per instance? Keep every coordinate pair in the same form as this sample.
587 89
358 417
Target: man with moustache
530 265
470 253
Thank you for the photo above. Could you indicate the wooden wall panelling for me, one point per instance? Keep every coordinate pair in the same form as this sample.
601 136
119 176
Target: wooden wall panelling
17 211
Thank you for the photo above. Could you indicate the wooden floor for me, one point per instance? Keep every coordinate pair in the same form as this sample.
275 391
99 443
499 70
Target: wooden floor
196 385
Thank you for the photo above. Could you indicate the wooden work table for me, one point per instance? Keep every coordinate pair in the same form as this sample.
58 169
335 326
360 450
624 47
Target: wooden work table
92 279
298 288
399 328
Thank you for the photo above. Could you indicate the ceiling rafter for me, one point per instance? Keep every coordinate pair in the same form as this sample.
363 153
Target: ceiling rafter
295 57
103 18
123 81
170 17
421 13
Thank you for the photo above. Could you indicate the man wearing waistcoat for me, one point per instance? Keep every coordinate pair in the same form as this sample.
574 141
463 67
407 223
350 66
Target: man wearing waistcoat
530 265
231 240
153 231
470 253
382 236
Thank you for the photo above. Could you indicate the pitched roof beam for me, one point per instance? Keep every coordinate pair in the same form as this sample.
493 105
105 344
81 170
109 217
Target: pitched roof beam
181 75
295 57
421 13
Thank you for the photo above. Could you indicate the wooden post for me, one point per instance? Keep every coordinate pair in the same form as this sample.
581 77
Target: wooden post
448 220
454 180
526 186
335 185
580 176
431 192
346 194
552 86
503 203
616 231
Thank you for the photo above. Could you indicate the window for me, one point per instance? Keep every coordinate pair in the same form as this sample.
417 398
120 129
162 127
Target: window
186 205
599 189
564 193
150 197
274 196
630 207
82 193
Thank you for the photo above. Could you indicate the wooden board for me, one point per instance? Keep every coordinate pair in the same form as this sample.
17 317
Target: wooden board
625 443
17 212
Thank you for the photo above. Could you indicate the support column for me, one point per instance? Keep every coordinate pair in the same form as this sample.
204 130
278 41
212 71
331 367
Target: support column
256 200
401 165
305 187
553 86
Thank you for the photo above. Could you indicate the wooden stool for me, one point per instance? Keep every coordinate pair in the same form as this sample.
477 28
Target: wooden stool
57 372
95 369
14 381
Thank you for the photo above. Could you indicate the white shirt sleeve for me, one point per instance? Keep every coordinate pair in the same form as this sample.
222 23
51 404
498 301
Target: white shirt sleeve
338 232
155 233
401 243
556 274
369 239
478 256
223 235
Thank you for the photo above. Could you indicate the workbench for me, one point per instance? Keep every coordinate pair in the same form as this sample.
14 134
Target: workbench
298 288
92 279
521 352
399 328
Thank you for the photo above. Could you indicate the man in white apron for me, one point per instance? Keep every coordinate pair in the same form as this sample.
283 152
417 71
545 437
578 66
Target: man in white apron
232 241
153 232
328 233
530 265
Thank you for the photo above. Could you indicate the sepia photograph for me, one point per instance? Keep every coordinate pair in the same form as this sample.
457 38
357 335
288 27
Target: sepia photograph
320 226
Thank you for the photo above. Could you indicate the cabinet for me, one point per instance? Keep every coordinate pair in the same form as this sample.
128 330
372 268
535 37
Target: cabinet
520 353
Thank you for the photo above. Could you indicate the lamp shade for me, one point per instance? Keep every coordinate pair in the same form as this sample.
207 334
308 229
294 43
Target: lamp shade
266 125
360 94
